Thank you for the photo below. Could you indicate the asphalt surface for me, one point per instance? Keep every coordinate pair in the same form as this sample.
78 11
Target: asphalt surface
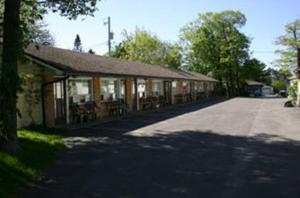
240 148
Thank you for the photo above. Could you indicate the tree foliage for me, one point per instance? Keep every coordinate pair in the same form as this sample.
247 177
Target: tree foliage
39 34
77 44
253 69
16 18
293 90
146 47
279 85
213 43
291 42
91 51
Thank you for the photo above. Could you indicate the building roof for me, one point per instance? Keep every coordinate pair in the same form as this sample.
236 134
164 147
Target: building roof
201 76
254 83
267 86
78 63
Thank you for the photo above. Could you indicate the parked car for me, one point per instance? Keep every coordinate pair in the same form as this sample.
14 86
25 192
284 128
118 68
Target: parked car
283 93
257 93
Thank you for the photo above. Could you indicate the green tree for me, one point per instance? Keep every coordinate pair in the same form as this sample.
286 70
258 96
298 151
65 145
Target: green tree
14 27
148 48
291 42
253 69
40 35
91 51
214 44
293 90
279 85
77 44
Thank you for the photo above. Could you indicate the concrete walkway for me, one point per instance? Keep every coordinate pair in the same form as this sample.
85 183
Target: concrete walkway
240 148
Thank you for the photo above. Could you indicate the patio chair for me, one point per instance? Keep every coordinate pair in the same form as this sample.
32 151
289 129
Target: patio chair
146 103
162 101
123 107
154 102
179 98
90 108
113 108
189 97
75 113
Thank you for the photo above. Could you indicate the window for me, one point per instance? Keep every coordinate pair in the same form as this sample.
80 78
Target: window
210 86
175 87
142 88
174 84
186 87
122 89
157 88
199 87
109 89
80 90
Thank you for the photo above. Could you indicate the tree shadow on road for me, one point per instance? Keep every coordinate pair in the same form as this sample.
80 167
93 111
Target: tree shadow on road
178 164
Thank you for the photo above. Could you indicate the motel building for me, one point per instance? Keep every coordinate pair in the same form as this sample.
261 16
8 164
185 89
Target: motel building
64 87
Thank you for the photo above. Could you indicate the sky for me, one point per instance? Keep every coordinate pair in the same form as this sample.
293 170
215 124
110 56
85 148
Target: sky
265 21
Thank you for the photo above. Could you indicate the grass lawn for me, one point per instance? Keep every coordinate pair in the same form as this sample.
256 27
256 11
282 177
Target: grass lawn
37 149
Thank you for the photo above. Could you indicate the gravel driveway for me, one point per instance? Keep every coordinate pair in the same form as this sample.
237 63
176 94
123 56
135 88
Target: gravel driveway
241 147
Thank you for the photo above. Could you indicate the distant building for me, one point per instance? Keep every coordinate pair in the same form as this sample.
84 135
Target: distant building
267 90
254 88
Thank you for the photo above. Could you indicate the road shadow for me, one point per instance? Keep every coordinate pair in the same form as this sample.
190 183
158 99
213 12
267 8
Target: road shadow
132 122
179 164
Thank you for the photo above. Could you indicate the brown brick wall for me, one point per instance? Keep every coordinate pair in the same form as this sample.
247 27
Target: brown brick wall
180 87
149 87
192 85
206 89
129 99
96 89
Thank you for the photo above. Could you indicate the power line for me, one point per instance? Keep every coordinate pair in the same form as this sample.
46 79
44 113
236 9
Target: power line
263 52
98 44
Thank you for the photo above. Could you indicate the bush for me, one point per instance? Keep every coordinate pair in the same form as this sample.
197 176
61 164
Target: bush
279 85
293 91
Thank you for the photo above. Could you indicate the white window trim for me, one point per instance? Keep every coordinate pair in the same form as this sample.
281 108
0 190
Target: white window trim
81 78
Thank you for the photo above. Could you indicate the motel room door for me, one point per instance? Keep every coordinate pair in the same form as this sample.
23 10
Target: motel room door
59 102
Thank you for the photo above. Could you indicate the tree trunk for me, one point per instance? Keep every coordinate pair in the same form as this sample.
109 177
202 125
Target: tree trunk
238 82
9 76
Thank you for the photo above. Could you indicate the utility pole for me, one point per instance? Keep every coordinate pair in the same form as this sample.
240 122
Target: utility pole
110 34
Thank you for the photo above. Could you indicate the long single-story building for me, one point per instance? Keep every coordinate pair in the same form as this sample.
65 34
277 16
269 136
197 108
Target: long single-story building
67 87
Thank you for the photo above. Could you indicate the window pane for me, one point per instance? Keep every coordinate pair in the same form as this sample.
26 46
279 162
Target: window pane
80 91
157 88
141 88
109 89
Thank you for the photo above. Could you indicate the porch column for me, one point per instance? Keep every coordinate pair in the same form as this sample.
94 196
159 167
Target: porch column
149 87
206 89
180 87
128 92
97 93
136 94
66 85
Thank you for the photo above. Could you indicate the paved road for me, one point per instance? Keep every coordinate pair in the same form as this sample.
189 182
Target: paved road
236 148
